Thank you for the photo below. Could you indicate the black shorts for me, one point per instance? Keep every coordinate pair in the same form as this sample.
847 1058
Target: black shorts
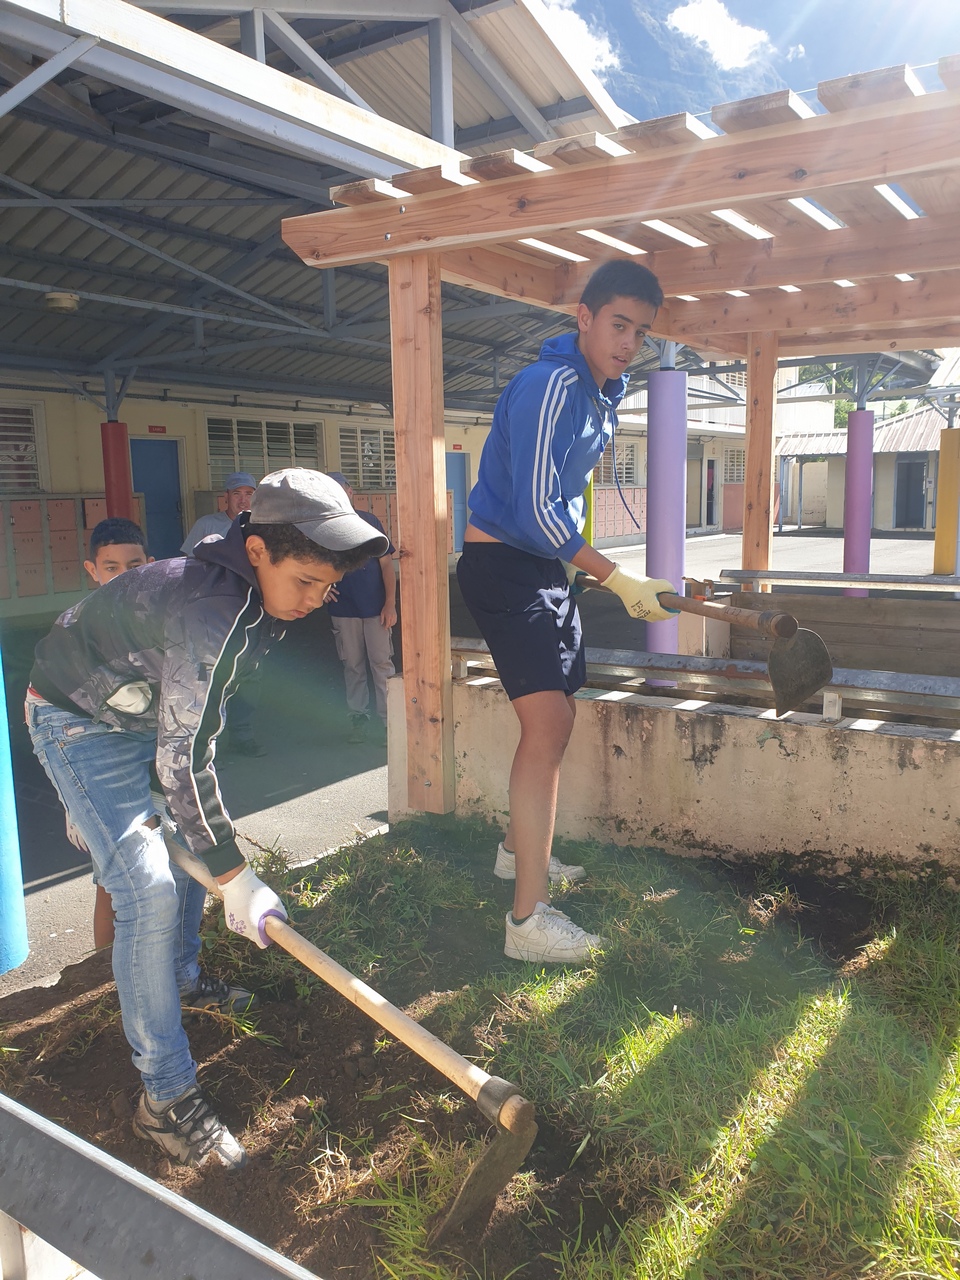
523 607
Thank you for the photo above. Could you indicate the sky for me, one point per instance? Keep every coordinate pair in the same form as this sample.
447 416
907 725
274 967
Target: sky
656 57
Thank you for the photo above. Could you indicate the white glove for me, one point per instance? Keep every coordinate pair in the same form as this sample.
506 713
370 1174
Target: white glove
639 594
248 903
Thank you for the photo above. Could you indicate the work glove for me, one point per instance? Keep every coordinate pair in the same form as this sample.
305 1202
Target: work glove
639 594
575 578
247 905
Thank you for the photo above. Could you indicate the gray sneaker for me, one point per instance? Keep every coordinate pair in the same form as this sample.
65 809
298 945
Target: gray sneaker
188 1130
549 935
213 995
506 868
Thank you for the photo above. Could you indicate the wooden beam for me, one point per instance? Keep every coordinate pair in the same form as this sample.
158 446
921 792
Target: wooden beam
782 161
366 191
888 84
925 244
928 300
506 276
417 346
665 131
586 148
781 107
758 466
886 340
948 69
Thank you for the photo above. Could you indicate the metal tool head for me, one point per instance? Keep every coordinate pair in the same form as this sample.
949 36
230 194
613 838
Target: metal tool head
491 1173
798 668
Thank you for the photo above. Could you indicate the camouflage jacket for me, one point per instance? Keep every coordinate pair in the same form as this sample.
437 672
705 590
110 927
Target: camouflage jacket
159 650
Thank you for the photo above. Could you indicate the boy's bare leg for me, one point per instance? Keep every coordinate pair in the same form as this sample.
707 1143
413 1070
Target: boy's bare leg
102 918
546 722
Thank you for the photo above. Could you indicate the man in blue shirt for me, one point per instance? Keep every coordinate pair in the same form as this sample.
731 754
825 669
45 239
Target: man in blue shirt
522 548
363 614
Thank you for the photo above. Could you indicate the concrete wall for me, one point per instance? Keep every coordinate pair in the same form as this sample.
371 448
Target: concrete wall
720 781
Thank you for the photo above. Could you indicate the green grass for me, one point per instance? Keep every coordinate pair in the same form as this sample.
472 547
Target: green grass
739 1106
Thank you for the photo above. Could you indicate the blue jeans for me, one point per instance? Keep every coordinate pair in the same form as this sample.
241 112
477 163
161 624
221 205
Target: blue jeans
102 776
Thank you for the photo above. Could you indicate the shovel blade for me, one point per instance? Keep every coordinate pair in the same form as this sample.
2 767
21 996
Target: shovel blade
798 667
486 1179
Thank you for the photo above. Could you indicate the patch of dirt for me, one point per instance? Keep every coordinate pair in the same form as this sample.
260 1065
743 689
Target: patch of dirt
321 1098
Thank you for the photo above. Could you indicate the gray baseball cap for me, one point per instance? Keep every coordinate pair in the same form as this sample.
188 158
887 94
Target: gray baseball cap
239 480
316 505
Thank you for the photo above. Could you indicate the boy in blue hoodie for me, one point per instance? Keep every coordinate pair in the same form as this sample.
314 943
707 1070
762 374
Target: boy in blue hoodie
522 547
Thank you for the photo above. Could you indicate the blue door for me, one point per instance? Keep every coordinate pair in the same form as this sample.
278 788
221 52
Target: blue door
156 474
457 482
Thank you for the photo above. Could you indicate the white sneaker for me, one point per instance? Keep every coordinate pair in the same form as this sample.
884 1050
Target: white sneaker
548 934
506 868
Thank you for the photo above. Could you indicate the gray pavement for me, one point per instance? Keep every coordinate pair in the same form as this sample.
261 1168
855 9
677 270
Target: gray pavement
313 790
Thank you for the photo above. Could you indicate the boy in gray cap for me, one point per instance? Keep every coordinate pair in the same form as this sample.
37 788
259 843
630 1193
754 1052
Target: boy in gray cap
239 486
140 673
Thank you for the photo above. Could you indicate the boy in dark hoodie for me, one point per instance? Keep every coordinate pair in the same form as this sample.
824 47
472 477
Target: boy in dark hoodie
138 675
523 546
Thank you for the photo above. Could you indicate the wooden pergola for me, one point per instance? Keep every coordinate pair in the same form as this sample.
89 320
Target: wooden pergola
853 268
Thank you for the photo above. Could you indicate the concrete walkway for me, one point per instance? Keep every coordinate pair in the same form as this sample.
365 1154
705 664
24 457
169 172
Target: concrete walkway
314 790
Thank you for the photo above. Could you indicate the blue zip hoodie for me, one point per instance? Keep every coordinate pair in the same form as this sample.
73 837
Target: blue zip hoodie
550 427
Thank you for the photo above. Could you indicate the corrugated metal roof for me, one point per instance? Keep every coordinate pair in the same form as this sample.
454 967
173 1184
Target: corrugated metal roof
915 432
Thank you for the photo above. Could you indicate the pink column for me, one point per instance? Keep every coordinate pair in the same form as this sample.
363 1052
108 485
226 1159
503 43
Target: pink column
666 492
858 496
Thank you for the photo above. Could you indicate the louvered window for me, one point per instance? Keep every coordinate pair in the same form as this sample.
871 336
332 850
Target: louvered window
261 446
19 460
368 457
626 466
733 466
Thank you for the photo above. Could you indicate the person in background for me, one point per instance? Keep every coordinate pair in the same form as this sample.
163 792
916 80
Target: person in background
363 612
241 740
239 486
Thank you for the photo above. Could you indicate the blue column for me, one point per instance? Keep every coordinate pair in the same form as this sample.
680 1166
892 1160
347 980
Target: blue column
13 917
858 496
666 492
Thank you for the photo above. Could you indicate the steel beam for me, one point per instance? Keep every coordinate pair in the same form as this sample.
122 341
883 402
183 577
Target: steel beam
252 42
303 55
87 218
112 1219
46 72
442 123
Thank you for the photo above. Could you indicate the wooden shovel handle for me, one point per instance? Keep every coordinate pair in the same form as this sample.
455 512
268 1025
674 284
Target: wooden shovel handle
769 623
513 1114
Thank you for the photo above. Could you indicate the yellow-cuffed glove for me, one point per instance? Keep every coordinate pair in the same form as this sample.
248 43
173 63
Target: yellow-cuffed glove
639 594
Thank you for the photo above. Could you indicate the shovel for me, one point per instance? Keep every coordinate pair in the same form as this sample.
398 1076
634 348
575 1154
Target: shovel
798 663
499 1101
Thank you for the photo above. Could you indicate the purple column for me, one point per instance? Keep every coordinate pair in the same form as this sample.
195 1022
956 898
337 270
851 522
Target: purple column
666 492
858 496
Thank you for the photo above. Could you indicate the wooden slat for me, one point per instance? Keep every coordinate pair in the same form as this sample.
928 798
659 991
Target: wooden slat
502 164
758 468
935 194
920 246
805 159
366 191
586 148
782 107
666 131
930 299
856 341
939 618
417 354
441 177
888 84
948 69
505 274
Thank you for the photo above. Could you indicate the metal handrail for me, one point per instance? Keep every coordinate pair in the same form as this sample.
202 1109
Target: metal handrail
879 581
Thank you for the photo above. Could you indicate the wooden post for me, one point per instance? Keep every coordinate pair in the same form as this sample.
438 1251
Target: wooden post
758 467
417 354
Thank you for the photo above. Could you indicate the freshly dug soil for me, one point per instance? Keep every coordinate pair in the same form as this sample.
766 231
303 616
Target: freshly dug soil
324 1101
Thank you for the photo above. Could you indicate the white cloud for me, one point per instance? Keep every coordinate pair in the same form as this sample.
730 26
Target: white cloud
796 51
583 44
710 23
